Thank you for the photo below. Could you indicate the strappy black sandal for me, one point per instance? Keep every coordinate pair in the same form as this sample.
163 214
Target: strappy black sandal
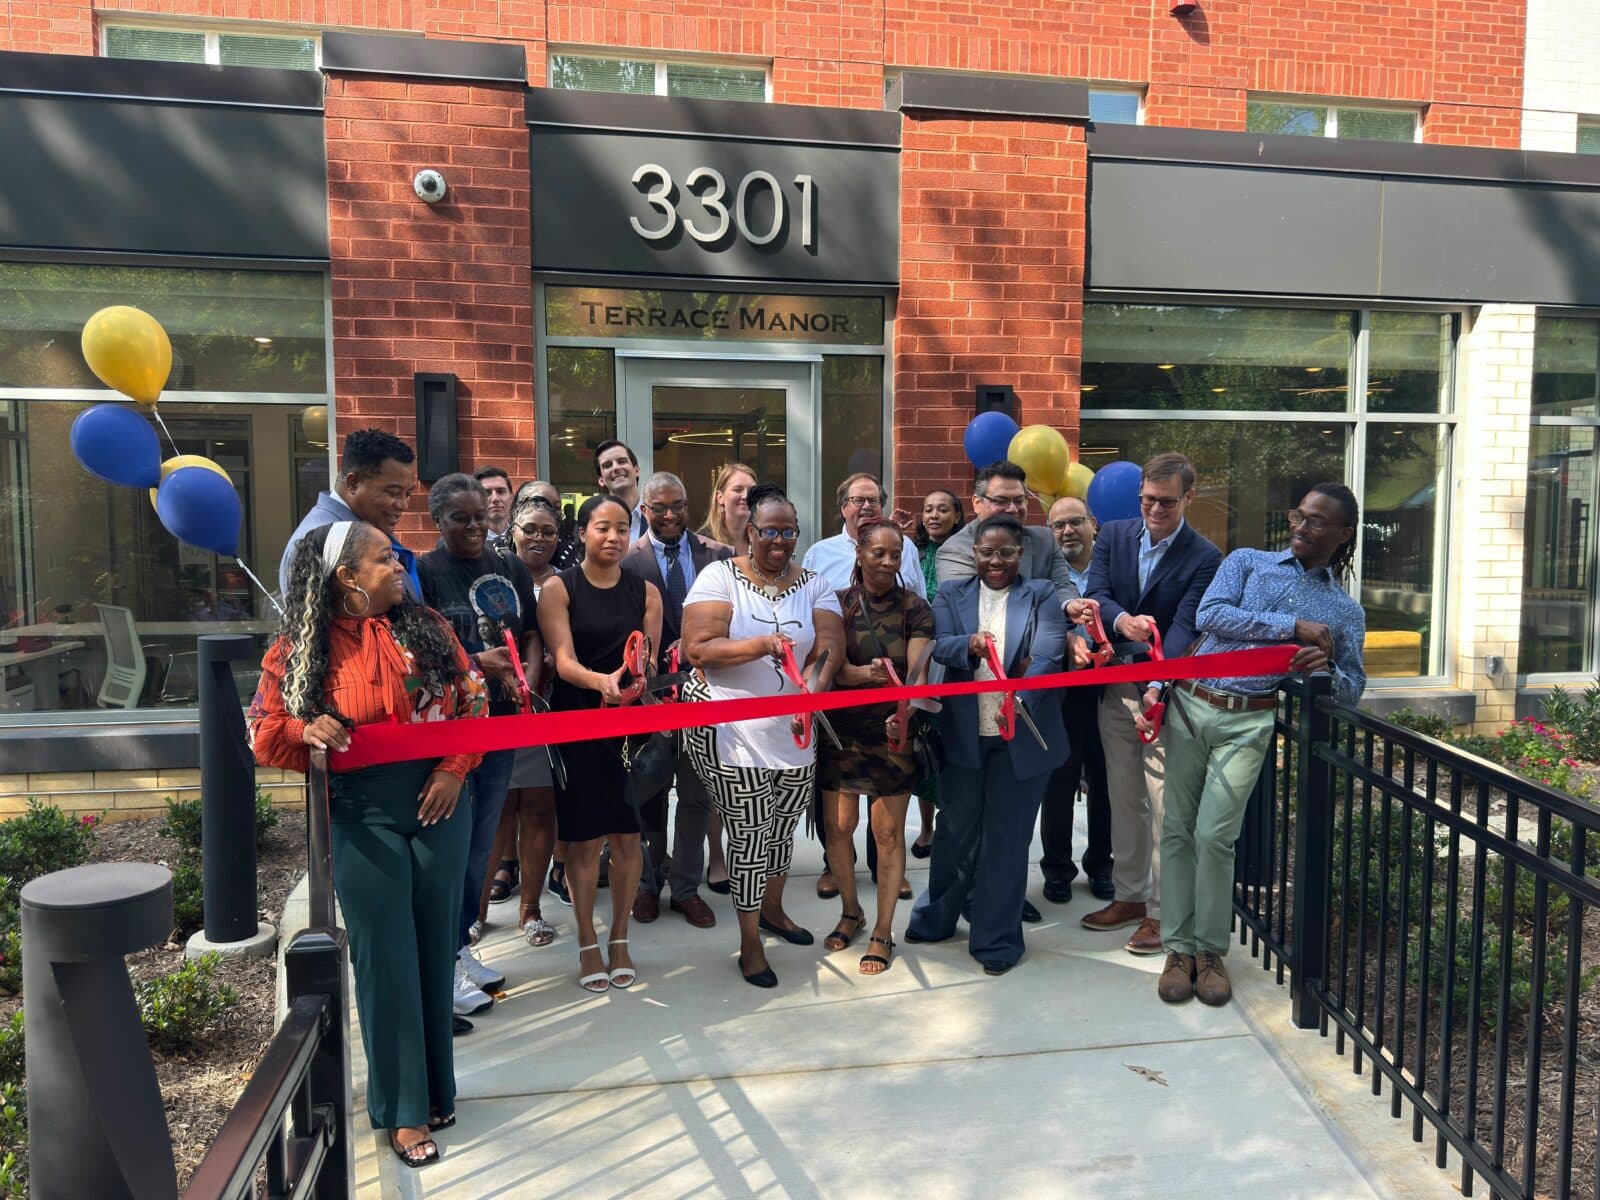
881 959
505 882
418 1154
438 1121
839 939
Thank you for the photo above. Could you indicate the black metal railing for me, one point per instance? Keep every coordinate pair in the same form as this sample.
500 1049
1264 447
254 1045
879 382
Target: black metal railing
288 1133
1430 908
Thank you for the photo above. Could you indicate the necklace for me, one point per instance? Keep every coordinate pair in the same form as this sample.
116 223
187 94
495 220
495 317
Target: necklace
769 587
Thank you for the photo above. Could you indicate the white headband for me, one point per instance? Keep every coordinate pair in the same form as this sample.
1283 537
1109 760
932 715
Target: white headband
338 534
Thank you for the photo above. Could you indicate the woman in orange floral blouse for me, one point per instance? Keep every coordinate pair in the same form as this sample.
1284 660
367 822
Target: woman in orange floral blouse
354 650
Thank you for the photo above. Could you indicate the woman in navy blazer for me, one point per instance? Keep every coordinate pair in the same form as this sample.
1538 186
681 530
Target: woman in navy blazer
990 789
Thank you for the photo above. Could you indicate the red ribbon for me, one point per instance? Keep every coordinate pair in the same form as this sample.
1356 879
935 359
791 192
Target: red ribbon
398 742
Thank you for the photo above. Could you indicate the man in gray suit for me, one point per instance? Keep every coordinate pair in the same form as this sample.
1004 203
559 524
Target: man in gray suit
670 557
1000 488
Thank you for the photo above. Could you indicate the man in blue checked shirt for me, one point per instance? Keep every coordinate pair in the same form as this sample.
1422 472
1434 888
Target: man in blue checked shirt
1219 734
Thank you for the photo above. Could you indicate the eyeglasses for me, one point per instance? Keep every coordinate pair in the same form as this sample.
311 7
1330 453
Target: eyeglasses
1017 502
1003 554
1074 522
862 502
1311 523
777 535
1164 503
678 507
534 533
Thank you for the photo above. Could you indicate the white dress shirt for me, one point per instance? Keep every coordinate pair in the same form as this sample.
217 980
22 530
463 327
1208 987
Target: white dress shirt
991 620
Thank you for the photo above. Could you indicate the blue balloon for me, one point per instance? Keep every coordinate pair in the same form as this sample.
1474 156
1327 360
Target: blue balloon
988 437
117 444
201 508
1114 492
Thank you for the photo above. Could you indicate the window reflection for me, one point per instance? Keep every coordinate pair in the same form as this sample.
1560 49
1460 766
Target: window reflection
852 427
1408 361
1400 515
582 406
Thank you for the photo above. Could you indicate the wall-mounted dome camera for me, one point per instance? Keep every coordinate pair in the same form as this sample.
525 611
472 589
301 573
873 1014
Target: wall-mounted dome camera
430 186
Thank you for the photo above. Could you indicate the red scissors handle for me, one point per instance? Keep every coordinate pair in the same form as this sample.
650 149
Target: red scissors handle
635 660
1102 652
1006 720
902 710
792 670
1156 711
674 664
524 695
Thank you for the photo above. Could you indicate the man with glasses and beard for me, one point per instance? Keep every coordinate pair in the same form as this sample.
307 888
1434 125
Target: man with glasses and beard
999 490
1148 572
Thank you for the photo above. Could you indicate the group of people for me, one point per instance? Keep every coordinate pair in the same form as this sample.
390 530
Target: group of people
506 614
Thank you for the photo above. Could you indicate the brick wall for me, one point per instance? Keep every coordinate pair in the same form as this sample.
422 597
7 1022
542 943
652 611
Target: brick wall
992 216
1562 48
444 287
1464 64
130 795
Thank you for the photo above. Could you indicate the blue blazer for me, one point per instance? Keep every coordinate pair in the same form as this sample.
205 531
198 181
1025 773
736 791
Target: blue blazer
955 613
1171 595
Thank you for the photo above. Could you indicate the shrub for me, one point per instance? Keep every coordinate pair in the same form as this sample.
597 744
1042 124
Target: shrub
176 1008
1536 751
1480 744
1577 715
188 908
13 1112
182 822
42 840
1427 724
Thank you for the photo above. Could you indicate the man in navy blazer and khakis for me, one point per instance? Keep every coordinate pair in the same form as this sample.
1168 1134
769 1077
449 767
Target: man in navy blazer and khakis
1146 571
670 557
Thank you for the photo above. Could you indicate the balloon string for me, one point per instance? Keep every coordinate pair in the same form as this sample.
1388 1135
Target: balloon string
171 441
271 599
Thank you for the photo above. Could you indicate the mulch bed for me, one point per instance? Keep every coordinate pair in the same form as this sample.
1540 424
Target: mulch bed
201 1085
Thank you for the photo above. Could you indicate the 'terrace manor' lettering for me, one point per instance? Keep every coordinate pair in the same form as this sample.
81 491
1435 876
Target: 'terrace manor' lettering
758 319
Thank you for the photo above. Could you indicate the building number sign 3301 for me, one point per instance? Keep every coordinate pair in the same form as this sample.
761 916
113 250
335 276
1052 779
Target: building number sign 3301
724 209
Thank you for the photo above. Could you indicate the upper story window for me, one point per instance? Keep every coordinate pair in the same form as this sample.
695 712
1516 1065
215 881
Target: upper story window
657 77
1589 137
1308 119
1112 107
228 48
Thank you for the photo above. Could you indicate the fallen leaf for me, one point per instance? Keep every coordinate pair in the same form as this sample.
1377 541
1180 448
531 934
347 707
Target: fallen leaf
1147 1073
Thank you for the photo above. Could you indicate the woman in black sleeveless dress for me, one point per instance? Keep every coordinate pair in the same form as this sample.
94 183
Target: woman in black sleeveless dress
586 613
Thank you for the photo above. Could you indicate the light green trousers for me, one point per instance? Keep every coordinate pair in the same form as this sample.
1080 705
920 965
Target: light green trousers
1210 775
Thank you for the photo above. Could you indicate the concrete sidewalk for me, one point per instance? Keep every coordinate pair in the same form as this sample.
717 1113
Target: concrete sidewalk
1066 1077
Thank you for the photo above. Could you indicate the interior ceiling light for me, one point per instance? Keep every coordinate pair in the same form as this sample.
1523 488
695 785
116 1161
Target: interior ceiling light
1088 387
1164 366
265 341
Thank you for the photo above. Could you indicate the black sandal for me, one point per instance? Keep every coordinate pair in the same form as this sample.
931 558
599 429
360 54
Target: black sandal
418 1154
502 889
882 959
839 939
437 1122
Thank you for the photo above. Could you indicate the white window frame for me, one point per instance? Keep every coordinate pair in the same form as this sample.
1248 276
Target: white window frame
663 65
213 34
1330 110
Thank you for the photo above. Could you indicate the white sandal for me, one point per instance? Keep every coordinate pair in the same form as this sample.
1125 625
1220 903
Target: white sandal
538 932
600 977
627 971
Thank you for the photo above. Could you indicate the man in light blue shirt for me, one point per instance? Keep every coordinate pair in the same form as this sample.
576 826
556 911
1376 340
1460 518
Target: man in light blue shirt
1220 733
378 473
860 496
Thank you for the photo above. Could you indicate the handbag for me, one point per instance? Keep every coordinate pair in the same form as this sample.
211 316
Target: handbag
649 761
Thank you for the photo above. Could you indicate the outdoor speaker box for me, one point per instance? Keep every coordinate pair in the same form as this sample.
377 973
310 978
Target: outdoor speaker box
997 397
436 425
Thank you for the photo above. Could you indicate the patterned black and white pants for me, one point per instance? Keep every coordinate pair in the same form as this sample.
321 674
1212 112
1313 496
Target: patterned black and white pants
759 809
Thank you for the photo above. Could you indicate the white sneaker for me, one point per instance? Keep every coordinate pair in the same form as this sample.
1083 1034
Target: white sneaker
469 997
485 978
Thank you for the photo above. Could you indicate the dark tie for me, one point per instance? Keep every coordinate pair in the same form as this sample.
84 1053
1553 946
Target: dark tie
677 589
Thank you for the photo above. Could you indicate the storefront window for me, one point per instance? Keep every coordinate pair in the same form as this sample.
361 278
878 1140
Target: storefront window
1558 630
231 331
1200 363
1191 357
852 429
582 396
89 579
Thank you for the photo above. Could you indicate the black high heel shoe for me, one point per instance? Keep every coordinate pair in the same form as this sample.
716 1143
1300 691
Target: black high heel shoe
761 979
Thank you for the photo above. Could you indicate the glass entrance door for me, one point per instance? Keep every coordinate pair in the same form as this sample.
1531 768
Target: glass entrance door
690 416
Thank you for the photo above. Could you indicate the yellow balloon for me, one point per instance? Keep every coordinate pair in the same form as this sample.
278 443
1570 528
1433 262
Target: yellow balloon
1076 482
1043 455
128 350
186 460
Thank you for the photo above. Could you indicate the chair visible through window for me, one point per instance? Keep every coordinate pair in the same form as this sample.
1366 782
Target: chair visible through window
125 666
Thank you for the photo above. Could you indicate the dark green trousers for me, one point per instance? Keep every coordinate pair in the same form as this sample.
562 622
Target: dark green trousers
399 885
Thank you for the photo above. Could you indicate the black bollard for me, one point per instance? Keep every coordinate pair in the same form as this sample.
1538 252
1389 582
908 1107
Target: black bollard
227 794
96 1125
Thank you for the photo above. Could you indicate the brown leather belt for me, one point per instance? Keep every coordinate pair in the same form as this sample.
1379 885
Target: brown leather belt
1229 701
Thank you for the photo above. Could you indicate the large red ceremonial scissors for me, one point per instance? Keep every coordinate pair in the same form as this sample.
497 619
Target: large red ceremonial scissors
902 710
1006 721
1158 710
792 670
524 693
636 662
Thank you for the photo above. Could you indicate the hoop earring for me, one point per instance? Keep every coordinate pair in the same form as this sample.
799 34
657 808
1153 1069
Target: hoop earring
366 603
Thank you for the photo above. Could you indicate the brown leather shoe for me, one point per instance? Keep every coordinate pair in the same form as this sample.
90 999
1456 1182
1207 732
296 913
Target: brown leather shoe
1119 914
1146 939
646 906
1177 979
695 911
1211 979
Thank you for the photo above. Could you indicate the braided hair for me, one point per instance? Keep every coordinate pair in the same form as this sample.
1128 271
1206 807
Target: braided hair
857 586
1343 560
309 607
